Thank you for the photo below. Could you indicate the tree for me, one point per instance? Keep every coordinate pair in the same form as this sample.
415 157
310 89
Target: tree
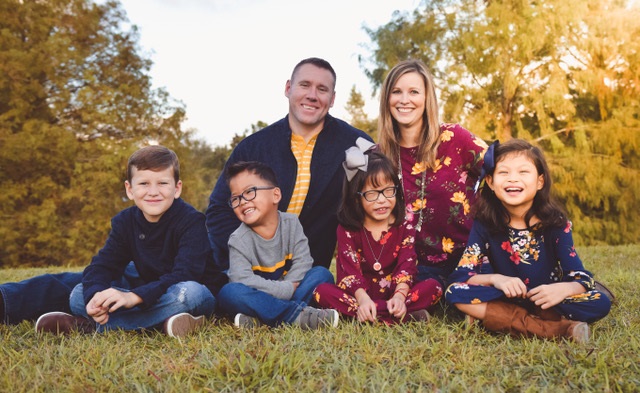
554 72
75 101
359 119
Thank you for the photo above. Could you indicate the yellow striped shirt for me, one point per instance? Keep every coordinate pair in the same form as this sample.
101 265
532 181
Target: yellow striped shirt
302 152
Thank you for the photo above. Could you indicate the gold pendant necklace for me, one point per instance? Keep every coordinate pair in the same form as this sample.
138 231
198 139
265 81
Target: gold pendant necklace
377 265
420 195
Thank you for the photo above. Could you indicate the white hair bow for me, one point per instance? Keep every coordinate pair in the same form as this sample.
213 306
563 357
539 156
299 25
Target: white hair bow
356 159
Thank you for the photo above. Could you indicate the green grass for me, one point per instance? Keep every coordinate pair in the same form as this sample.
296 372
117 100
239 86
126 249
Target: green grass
443 355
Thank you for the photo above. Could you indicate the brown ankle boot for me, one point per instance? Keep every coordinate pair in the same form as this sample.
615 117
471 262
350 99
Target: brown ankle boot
513 319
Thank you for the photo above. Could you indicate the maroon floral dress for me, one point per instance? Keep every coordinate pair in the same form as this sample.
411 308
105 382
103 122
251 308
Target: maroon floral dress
377 266
440 209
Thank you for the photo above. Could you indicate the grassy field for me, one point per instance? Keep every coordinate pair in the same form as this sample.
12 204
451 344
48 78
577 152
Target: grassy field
442 356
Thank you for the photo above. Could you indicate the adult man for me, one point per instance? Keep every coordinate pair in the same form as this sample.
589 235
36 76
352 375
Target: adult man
306 150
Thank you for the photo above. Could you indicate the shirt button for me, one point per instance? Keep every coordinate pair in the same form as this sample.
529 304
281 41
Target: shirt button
141 236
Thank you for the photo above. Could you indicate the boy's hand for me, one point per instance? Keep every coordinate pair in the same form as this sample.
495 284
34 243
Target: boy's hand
549 295
99 314
108 301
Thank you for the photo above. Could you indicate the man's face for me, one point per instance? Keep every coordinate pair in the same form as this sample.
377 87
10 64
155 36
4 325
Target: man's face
311 94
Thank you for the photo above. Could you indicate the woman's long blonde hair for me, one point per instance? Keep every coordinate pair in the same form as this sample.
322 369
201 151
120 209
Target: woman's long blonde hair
388 130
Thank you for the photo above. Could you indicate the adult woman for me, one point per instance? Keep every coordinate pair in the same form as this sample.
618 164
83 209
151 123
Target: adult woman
439 165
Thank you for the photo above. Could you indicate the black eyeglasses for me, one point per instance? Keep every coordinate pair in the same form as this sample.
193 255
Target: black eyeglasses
248 195
373 195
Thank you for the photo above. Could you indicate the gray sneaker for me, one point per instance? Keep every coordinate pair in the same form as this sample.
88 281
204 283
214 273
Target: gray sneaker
314 318
245 321
182 324
62 323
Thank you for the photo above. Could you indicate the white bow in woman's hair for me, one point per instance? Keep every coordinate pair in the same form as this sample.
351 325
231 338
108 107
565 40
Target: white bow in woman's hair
356 159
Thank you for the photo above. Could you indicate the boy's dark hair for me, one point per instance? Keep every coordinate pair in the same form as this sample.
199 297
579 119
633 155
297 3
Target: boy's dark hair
316 61
262 170
350 213
154 158
490 210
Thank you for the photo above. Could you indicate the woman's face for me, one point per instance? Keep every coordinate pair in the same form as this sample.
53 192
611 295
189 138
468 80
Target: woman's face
407 100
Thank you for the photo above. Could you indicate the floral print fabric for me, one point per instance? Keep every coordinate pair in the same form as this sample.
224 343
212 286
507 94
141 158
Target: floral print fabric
357 268
446 198
356 258
534 255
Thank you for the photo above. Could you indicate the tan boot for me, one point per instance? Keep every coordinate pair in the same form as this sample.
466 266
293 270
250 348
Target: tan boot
515 320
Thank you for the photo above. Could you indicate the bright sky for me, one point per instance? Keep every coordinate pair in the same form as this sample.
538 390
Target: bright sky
229 60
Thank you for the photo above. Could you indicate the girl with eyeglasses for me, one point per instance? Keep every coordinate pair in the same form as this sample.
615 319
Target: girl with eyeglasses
376 260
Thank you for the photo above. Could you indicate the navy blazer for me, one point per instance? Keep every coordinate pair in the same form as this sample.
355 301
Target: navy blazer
272 146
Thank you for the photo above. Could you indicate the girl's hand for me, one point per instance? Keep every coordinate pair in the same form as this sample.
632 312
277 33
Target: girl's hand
511 286
397 306
366 310
549 295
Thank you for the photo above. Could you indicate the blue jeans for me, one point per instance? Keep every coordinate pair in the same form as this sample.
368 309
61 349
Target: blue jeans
188 296
30 298
236 298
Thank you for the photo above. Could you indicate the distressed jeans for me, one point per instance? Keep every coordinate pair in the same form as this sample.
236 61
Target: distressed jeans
188 296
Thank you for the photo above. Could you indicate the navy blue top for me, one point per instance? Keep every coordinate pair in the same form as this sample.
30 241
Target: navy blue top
172 250
272 146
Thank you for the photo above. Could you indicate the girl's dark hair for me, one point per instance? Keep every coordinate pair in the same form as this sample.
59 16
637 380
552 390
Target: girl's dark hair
351 213
489 209
262 170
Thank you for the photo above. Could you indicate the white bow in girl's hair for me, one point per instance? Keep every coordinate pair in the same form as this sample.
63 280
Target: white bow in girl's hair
356 159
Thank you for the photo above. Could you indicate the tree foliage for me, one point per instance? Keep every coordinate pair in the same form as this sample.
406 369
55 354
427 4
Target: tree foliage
359 119
565 75
75 101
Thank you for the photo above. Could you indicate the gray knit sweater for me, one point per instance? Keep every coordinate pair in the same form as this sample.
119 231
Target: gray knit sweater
270 265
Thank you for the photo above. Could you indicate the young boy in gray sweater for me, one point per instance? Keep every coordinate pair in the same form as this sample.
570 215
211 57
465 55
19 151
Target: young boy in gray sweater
271 278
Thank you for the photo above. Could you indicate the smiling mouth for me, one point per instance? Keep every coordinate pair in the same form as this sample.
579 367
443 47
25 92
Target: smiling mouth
308 107
513 189
249 210
404 110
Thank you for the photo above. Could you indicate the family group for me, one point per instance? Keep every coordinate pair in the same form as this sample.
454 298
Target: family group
429 213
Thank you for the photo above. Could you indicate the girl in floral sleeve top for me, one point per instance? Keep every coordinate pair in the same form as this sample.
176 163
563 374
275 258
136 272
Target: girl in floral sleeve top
520 272
376 259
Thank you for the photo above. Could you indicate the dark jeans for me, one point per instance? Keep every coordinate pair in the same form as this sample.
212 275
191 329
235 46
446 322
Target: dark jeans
29 299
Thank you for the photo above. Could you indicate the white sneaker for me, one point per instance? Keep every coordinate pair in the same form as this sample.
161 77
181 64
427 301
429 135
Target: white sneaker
182 324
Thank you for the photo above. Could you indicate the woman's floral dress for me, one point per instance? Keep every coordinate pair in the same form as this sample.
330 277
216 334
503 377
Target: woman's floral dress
440 211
